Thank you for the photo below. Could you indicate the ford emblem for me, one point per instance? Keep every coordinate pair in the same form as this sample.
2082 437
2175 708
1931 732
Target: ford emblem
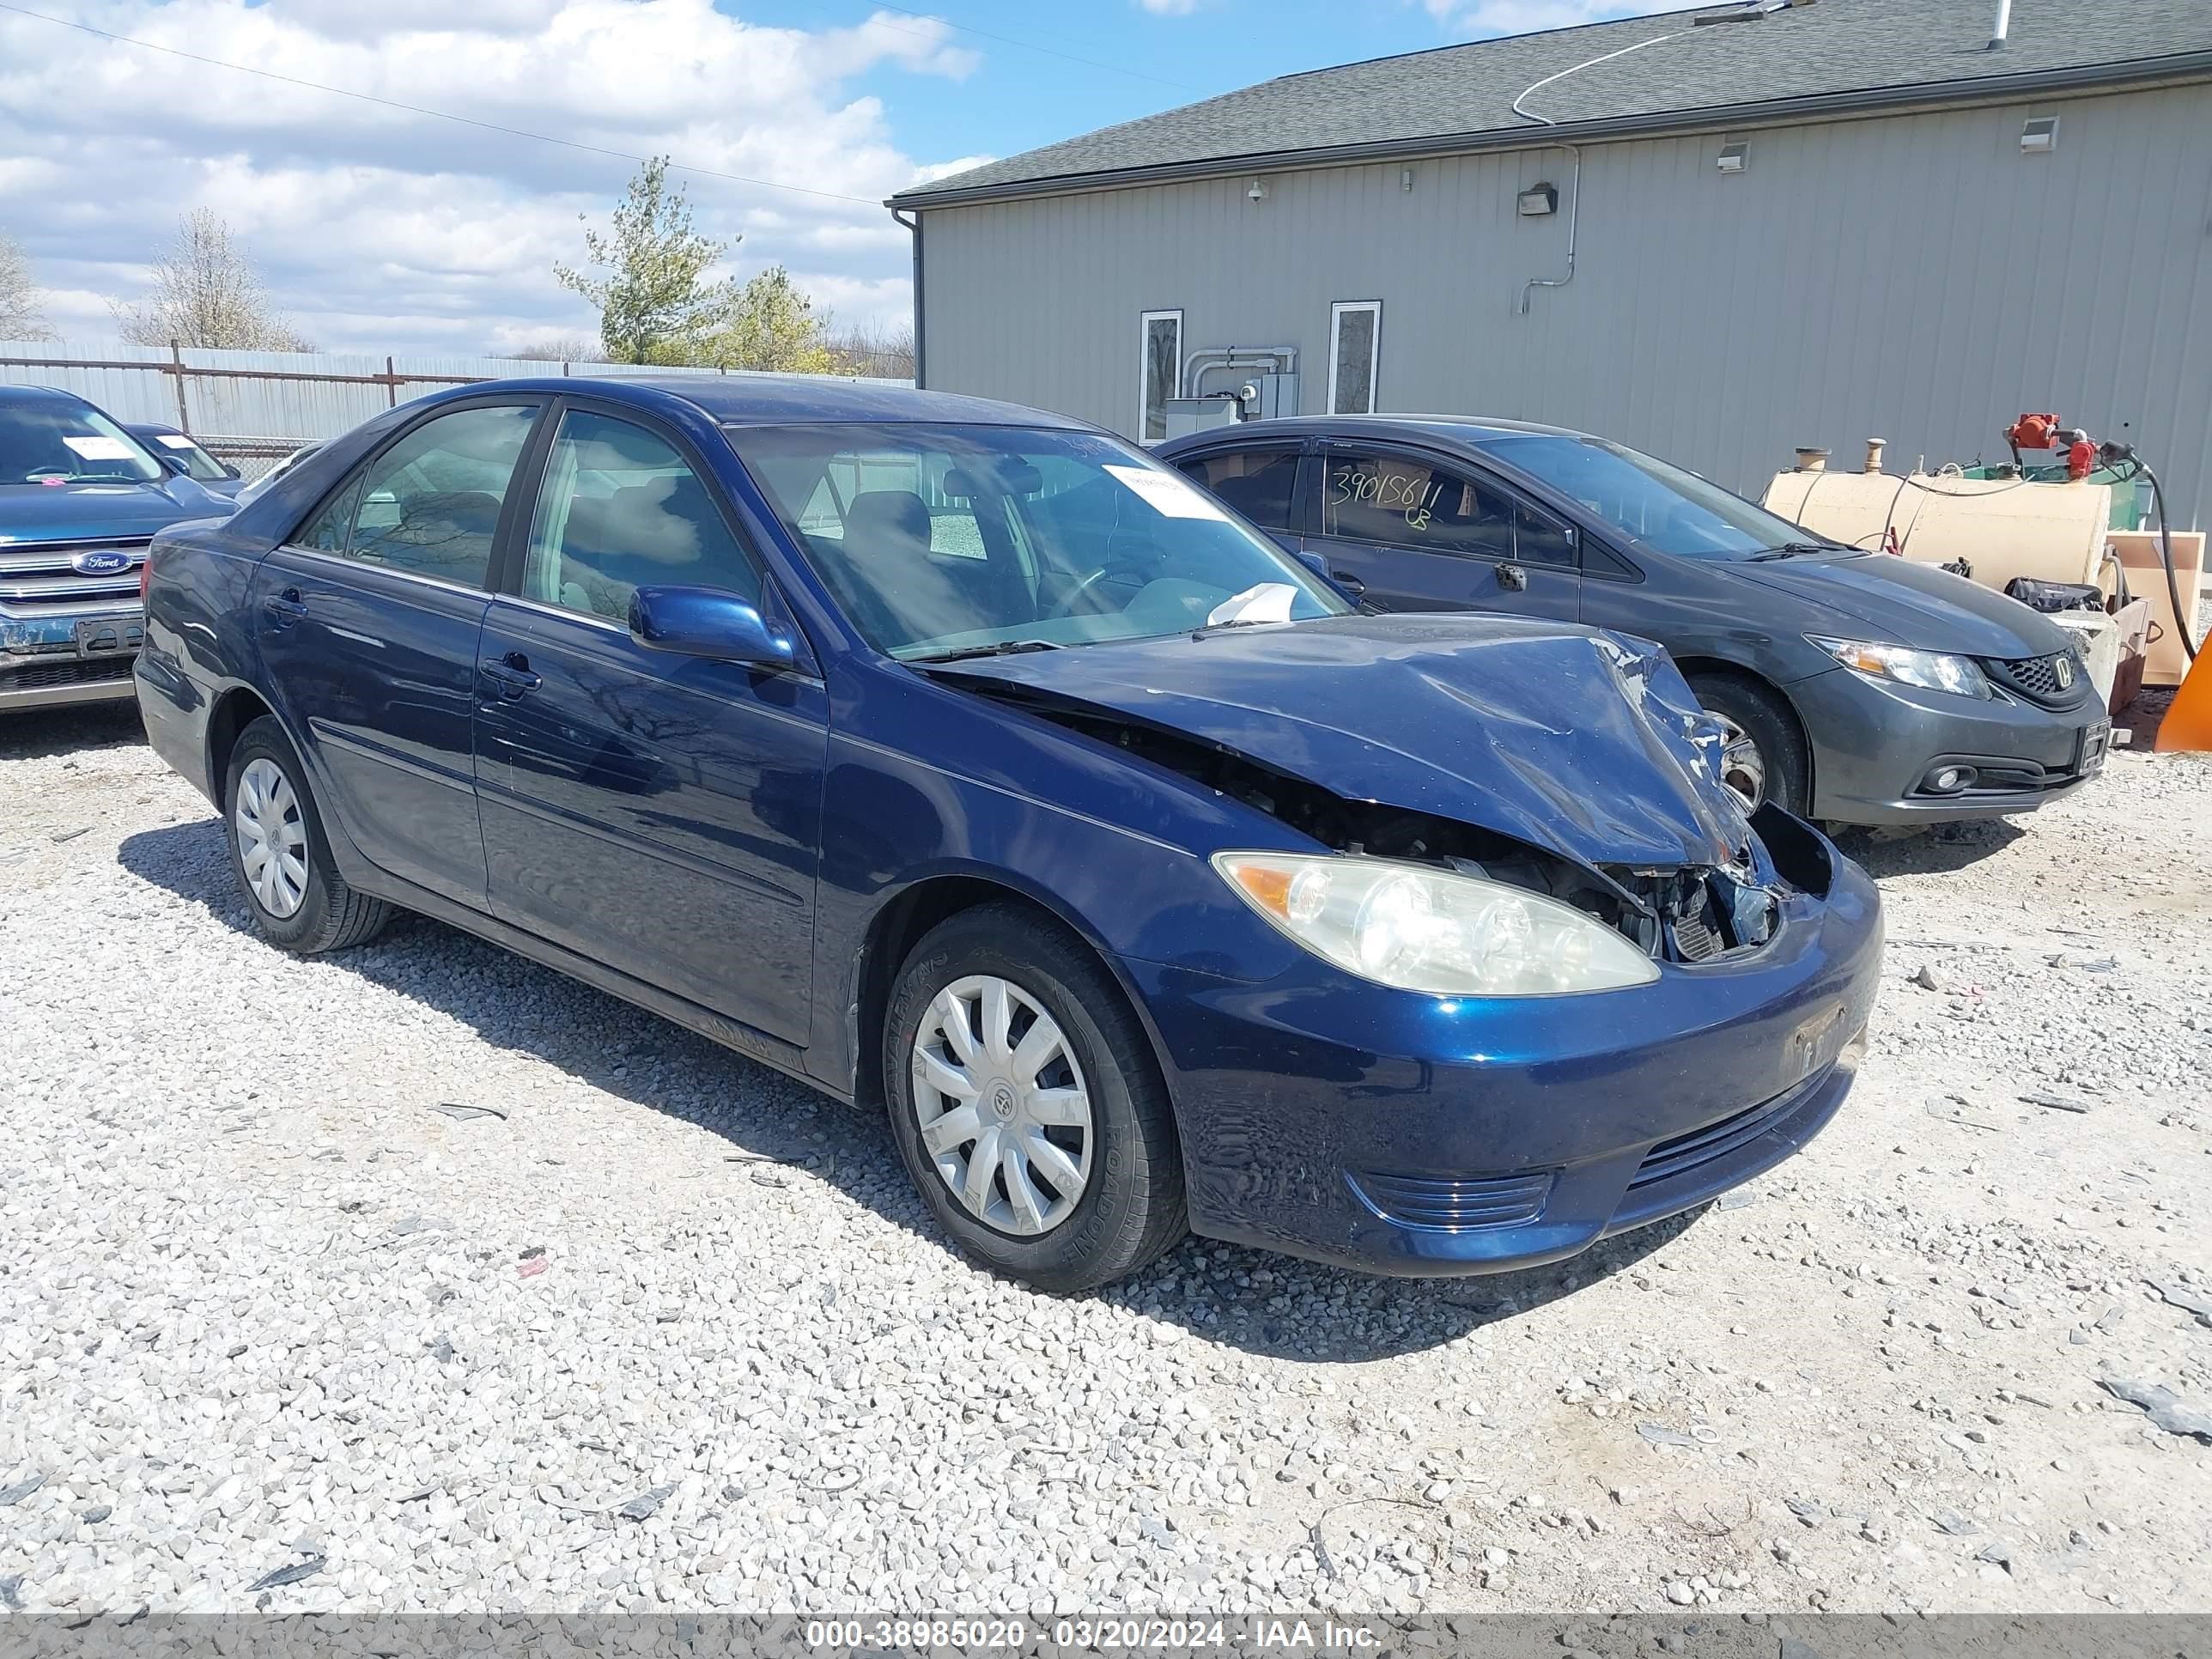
2063 668
102 562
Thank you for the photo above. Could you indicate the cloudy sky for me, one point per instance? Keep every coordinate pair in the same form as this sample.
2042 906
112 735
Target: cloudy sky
382 229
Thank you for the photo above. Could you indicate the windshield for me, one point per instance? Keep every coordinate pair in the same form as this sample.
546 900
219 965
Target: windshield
1660 506
199 464
943 538
55 440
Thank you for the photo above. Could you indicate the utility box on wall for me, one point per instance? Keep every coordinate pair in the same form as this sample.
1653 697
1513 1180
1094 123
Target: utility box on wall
1278 394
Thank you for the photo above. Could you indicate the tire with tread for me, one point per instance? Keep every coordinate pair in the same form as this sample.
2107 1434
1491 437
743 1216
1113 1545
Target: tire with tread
1768 722
1133 1209
332 916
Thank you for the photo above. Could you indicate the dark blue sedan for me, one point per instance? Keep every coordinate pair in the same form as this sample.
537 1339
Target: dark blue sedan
959 759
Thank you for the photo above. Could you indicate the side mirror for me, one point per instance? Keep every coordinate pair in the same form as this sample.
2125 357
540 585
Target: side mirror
175 466
231 471
710 622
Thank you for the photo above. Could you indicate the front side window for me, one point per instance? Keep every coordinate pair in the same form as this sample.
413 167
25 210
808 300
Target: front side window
938 539
620 509
1160 377
1355 343
1260 483
1660 506
1373 496
60 441
430 504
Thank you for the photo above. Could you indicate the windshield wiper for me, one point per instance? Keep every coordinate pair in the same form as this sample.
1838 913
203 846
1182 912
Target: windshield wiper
1003 648
1794 550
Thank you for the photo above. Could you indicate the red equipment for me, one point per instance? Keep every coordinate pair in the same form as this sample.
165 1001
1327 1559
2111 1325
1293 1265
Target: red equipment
2044 432
2033 432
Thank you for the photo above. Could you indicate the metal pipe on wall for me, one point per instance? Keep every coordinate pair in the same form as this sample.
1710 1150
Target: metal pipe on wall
914 229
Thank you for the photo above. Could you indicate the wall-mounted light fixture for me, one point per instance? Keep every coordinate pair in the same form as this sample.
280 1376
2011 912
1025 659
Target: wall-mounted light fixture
2039 135
1735 156
1257 193
1405 178
1536 201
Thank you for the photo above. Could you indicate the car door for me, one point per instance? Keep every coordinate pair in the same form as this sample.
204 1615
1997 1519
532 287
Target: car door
1261 483
657 812
368 621
1406 532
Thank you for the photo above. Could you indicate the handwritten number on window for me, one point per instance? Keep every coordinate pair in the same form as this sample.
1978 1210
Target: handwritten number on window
1413 493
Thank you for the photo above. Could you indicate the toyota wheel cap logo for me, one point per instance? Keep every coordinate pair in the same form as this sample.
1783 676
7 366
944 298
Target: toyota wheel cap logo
101 563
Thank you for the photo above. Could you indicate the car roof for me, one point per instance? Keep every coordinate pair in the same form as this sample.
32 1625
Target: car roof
1475 429
153 429
784 399
25 394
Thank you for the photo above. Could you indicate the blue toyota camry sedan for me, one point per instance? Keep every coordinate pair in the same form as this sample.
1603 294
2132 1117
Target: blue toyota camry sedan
963 762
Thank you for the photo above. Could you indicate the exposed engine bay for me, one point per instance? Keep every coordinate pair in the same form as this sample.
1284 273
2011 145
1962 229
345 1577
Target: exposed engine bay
1690 914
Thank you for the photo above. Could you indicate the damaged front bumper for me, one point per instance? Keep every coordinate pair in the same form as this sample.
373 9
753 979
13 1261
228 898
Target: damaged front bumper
1331 1118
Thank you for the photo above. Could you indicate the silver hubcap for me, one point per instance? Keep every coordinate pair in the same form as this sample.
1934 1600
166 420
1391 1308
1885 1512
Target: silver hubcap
1003 1108
272 838
1743 768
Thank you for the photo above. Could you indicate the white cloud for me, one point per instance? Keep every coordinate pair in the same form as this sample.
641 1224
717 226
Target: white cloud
1485 17
381 230
1170 8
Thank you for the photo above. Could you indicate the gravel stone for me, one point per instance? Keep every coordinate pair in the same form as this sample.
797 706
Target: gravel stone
266 1305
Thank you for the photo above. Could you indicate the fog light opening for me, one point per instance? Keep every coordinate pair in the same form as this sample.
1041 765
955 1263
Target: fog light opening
1947 779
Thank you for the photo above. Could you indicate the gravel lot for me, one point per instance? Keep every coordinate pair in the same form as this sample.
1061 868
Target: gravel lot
461 1286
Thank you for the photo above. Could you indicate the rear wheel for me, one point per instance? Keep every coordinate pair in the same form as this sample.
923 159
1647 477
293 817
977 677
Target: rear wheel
299 900
1763 758
1026 1103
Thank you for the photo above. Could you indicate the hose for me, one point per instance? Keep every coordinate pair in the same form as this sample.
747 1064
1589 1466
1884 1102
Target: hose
2165 557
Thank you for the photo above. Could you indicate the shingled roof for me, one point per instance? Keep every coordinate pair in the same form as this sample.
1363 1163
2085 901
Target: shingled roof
1842 54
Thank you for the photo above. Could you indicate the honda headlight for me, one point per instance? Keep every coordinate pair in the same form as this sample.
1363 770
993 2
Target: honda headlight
1931 671
1421 929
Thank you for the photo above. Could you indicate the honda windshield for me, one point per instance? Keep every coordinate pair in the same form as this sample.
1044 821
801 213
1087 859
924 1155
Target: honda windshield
57 441
943 539
1662 506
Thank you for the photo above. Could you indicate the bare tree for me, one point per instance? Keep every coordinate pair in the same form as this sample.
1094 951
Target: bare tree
20 318
207 293
872 349
558 348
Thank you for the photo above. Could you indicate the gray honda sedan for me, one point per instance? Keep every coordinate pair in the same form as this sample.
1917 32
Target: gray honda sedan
1855 687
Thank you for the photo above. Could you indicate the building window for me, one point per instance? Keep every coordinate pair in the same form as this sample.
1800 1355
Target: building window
1355 343
1160 345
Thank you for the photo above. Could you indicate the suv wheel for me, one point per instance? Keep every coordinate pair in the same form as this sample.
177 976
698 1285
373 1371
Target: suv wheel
1027 1106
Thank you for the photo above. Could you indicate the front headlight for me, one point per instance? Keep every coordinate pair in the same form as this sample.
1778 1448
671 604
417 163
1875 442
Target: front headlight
1931 671
1419 929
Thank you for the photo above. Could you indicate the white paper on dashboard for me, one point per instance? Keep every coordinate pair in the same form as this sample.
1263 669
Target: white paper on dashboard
1168 494
99 449
172 440
1263 602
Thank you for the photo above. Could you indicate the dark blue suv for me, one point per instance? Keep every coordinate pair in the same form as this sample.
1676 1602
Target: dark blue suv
961 760
79 497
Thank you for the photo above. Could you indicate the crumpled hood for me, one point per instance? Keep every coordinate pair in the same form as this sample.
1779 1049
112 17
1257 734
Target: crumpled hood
1585 743
1893 601
30 513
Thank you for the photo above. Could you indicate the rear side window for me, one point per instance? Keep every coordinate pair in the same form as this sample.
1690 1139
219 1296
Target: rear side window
620 510
1258 482
1372 496
430 504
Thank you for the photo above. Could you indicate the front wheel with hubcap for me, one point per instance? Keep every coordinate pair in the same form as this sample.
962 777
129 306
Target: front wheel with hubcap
1027 1104
1762 757
299 900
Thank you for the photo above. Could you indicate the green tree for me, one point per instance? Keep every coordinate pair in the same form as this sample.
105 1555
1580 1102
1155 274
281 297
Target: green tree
655 300
771 324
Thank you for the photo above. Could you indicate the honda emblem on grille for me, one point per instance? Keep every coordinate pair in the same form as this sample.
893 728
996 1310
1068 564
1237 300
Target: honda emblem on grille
2063 668
100 561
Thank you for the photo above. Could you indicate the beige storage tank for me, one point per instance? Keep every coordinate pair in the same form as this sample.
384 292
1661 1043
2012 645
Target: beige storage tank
2002 527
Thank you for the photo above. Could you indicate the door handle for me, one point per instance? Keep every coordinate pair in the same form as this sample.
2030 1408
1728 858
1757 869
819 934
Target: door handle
284 609
511 674
1512 578
1350 583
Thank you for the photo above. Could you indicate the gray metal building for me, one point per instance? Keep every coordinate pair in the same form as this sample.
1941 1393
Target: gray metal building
1713 239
